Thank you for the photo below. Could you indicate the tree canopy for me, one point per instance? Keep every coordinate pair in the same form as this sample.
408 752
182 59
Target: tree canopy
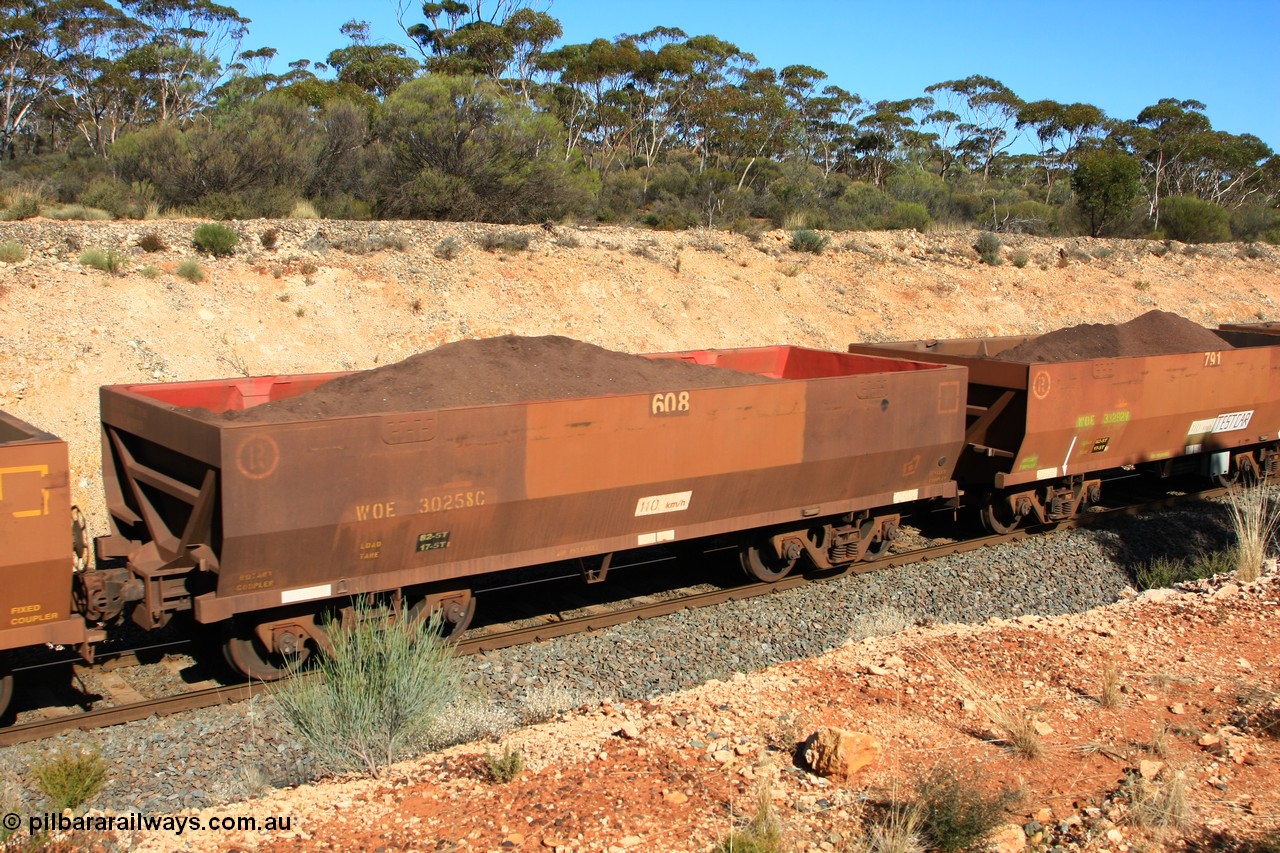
488 114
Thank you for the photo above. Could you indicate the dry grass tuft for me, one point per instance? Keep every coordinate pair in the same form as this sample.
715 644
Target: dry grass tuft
1255 515
1158 804
1109 696
762 833
304 209
899 830
1159 743
1017 725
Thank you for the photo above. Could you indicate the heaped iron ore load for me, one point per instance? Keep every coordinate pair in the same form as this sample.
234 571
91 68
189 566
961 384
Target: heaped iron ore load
1048 415
488 455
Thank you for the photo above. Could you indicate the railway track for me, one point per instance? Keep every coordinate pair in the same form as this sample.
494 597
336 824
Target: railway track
550 626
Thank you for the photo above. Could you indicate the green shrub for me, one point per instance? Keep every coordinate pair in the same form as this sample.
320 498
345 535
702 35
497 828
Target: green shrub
191 270
1192 220
71 776
672 220
370 244
23 205
504 767
1253 222
376 695
968 206
78 212
988 248
1167 571
215 239
908 216
1030 217
343 206
151 242
1020 259
512 241
804 240
11 252
109 261
111 195
954 813
150 272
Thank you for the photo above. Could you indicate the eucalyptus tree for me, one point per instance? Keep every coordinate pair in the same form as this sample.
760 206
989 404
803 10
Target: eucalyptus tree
639 95
713 66
501 41
98 88
987 111
831 127
40 40
1059 131
587 97
378 69
1106 181
179 62
886 132
755 120
1161 137
1222 168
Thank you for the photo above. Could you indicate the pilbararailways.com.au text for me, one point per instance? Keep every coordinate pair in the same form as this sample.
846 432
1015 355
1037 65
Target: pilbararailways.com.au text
136 821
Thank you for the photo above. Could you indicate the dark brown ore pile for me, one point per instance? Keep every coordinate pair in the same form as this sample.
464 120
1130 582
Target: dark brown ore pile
507 369
1153 333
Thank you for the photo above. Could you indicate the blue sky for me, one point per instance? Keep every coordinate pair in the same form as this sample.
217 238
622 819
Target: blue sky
1119 55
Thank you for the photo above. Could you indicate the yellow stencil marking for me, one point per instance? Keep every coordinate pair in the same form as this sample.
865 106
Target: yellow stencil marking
43 471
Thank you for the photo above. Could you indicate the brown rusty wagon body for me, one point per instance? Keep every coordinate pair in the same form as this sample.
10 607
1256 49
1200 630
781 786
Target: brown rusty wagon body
1249 334
36 555
228 517
1040 433
37 560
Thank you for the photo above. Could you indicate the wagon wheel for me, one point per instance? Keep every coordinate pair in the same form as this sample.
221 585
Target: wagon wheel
997 516
6 684
455 618
760 562
875 550
248 656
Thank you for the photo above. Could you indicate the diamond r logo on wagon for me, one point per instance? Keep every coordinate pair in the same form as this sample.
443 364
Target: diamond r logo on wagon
1040 384
258 457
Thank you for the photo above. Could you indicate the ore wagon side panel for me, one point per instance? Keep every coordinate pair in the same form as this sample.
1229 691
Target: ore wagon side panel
1091 416
36 559
1041 420
343 505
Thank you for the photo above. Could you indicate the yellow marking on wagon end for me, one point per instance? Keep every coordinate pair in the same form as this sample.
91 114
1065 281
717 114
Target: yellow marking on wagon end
43 471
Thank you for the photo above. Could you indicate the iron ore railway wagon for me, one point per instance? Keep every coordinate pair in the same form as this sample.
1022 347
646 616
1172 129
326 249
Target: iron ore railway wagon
1041 437
260 526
